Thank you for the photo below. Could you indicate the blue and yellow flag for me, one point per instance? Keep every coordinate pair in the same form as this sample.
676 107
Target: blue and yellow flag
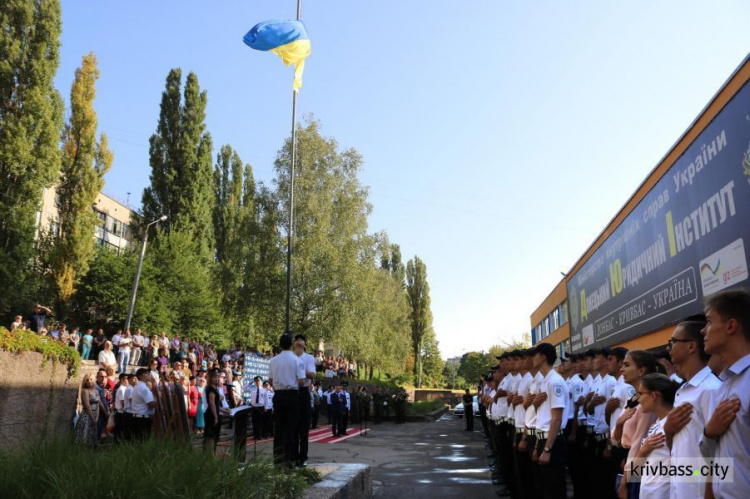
287 39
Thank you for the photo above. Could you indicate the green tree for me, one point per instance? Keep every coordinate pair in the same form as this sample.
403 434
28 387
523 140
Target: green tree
474 365
331 212
418 291
181 165
432 362
31 112
84 163
103 296
184 288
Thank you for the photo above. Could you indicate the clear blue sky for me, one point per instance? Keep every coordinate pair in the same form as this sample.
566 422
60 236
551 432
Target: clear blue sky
499 137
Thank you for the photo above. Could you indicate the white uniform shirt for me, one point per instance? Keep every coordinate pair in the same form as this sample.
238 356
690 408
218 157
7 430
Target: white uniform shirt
121 403
501 406
348 401
258 396
605 389
594 387
522 390
623 392
129 399
686 442
557 393
655 486
269 400
140 398
491 410
286 369
530 419
512 390
577 388
308 361
736 441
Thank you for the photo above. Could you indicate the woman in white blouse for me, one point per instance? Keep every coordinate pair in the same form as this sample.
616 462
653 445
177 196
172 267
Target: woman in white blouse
657 394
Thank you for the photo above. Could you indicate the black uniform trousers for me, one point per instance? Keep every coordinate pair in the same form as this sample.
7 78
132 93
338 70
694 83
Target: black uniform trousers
469 415
315 416
257 414
551 477
285 408
302 435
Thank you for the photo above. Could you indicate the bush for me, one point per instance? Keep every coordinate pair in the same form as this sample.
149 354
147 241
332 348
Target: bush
154 468
28 341
425 407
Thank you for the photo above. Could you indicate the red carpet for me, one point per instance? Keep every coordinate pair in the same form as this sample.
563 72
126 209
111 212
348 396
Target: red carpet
320 435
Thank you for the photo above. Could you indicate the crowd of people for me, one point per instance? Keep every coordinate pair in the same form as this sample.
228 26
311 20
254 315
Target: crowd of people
623 423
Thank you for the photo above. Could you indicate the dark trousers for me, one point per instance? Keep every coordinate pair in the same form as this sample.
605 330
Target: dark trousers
469 415
337 424
239 438
302 434
123 422
285 409
268 423
257 413
533 488
603 482
344 421
552 476
140 428
315 416
577 455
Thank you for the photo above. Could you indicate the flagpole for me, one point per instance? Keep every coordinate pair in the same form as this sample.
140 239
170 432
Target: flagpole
291 200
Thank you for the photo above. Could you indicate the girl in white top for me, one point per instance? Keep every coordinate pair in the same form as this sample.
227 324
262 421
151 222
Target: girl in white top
657 394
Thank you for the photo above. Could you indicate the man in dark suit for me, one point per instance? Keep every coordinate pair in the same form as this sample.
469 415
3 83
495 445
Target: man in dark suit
338 405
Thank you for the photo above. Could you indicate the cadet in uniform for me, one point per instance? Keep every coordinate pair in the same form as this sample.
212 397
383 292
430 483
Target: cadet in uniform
287 375
302 434
347 407
468 401
551 448
337 405
258 401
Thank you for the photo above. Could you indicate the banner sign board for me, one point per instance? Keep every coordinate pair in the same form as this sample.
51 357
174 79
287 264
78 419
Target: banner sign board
688 238
255 365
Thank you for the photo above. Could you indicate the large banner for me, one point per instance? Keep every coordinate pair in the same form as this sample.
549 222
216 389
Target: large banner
255 365
685 240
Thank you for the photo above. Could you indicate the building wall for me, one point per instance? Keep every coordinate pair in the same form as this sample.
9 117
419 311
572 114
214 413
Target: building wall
558 295
116 220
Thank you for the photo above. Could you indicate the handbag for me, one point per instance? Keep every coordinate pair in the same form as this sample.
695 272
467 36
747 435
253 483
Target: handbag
111 423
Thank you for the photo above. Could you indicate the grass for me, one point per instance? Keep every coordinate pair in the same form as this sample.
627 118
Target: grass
155 468
425 407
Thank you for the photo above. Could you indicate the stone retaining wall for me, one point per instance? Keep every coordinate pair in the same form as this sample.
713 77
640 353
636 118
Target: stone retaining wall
37 401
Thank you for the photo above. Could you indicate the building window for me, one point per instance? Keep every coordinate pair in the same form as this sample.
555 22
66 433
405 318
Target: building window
564 313
116 227
127 232
555 319
102 218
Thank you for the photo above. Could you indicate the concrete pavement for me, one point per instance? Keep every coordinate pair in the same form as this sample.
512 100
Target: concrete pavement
414 460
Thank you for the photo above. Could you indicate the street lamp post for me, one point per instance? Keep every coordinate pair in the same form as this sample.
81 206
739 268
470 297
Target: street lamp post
138 271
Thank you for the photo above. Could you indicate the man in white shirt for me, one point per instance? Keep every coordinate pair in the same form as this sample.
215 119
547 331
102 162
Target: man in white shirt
685 422
576 428
551 448
122 408
137 348
116 342
302 435
528 441
258 401
126 341
604 387
142 406
268 416
287 375
519 418
727 431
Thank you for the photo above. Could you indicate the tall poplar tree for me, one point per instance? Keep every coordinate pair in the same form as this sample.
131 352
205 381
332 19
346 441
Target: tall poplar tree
84 164
30 123
330 235
181 164
418 292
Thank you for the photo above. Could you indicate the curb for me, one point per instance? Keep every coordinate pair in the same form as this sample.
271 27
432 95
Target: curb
346 481
429 417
